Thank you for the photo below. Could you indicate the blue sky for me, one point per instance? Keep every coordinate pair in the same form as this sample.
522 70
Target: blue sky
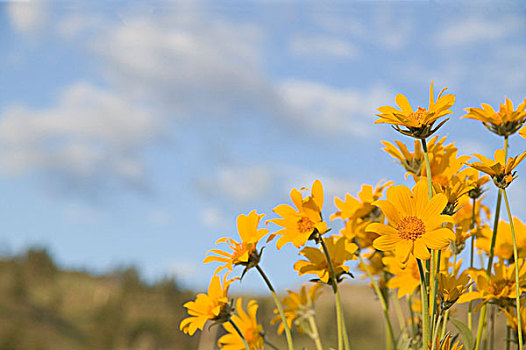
135 133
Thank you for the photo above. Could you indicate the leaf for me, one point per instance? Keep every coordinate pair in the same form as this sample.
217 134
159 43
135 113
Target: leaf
465 333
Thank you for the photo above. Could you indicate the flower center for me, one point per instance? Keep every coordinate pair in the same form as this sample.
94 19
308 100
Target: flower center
305 225
419 115
411 227
498 286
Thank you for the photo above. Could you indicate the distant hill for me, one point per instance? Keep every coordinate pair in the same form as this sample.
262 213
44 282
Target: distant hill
45 308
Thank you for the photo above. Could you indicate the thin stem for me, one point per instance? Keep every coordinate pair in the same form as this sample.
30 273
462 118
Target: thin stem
279 306
430 279
516 259
314 334
494 235
428 169
482 318
334 283
270 344
391 339
425 305
490 264
400 315
240 334
433 345
508 336
412 315
471 256
444 326
434 285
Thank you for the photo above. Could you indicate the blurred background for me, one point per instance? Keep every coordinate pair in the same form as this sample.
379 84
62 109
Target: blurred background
133 133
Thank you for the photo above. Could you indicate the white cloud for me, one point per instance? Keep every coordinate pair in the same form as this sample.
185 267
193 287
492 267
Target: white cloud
332 110
476 30
91 137
239 183
28 17
321 46
186 67
214 218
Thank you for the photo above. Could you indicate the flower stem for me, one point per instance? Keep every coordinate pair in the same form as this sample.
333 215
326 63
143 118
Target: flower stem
482 317
425 306
428 169
314 334
411 314
270 344
435 332
391 344
339 312
279 306
240 334
516 259
471 256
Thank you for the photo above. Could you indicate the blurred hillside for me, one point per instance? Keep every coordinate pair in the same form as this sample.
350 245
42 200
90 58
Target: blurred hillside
43 307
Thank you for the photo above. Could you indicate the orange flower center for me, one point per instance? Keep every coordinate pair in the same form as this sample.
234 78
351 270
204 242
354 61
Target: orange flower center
497 287
419 115
305 225
411 227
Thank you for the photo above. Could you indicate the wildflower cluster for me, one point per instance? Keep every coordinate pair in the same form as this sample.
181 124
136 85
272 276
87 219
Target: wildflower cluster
407 240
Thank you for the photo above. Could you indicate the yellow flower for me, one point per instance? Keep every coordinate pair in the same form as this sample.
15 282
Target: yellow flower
500 169
451 286
359 212
463 216
415 223
243 253
372 263
511 315
445 344
505 122
300 223
298 307
248 325
419 123
407 280
476 182
503 241
212 306
500 288
361 207
340 251
413 162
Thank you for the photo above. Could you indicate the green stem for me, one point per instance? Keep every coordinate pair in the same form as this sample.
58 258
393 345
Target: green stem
516 259
412 315
240 334
428 169
435 331
425 305
508 336
314 334
265 340
391 339
444 326
470 306
334 283
279 306
482 318
489 266
400 315
434 284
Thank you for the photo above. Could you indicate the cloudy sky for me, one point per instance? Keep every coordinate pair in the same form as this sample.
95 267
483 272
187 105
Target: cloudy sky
136 132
